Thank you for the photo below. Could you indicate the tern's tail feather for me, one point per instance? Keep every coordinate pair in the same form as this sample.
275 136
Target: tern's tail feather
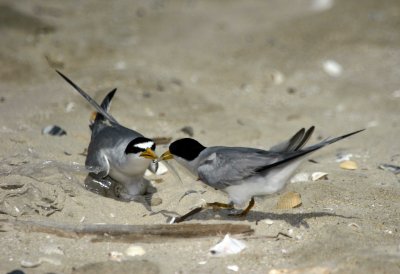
296 142
307 150
105 105
91 101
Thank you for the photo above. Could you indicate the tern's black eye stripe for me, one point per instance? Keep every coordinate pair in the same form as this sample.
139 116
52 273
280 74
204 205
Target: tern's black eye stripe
153 147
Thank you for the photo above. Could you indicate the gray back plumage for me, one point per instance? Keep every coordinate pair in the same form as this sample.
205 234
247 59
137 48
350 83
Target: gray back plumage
224 166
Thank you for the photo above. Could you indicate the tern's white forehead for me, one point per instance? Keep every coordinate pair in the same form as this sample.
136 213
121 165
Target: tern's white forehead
144 145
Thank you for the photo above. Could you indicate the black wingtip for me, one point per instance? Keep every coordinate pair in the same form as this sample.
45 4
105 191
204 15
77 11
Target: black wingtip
112 93
68 80
346 135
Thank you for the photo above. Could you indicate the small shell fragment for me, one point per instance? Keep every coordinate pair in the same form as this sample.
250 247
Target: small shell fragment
289 200
321 5
116 256
319 176
268 221
233 267
332 68
350 165
135 250
54 130
30 263
391 168
227 246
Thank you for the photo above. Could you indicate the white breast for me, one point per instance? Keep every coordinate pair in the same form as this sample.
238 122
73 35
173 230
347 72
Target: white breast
274 181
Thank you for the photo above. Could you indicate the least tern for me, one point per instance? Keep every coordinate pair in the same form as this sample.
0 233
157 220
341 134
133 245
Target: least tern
241 172
116 151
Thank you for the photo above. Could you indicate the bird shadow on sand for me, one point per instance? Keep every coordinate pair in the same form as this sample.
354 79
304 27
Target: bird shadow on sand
293 219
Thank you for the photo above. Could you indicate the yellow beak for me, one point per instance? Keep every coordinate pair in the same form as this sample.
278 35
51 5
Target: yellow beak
166 156
149 154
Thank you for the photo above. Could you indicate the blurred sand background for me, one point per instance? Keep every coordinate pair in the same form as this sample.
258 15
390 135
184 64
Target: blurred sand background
242 73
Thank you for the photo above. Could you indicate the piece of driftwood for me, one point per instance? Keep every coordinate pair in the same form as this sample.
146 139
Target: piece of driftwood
124 233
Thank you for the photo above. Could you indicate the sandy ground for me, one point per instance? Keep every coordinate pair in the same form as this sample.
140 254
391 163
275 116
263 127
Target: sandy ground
243 73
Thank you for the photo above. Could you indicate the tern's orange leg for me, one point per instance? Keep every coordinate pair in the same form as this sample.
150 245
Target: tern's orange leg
246 210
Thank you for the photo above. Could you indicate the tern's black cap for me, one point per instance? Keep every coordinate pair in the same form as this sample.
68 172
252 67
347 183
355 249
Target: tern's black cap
186 148
140 144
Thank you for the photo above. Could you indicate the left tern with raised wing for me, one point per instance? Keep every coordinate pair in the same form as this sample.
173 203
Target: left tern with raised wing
116 151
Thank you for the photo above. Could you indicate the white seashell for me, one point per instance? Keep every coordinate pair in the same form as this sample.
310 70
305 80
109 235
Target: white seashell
202 262
227 246
277 77
30 263
332 68
70 107
341 157
233 267
135 250
300 177
321 5
350 165
319 175
268 221
116 256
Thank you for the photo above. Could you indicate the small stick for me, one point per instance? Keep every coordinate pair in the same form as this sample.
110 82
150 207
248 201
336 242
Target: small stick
115 232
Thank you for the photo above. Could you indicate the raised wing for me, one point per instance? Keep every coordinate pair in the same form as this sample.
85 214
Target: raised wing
228 166
90 99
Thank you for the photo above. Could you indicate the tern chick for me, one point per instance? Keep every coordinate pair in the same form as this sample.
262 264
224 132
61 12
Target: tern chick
115 151
241 172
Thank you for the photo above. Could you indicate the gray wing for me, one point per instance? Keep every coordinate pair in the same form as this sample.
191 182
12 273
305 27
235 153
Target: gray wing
296 142
97 164
228 166
224 167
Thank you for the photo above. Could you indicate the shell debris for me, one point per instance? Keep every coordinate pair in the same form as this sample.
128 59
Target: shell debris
135 250
233 267
116 256
332 68
227 246
350 165
315 176
54 130
26 263
289 200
